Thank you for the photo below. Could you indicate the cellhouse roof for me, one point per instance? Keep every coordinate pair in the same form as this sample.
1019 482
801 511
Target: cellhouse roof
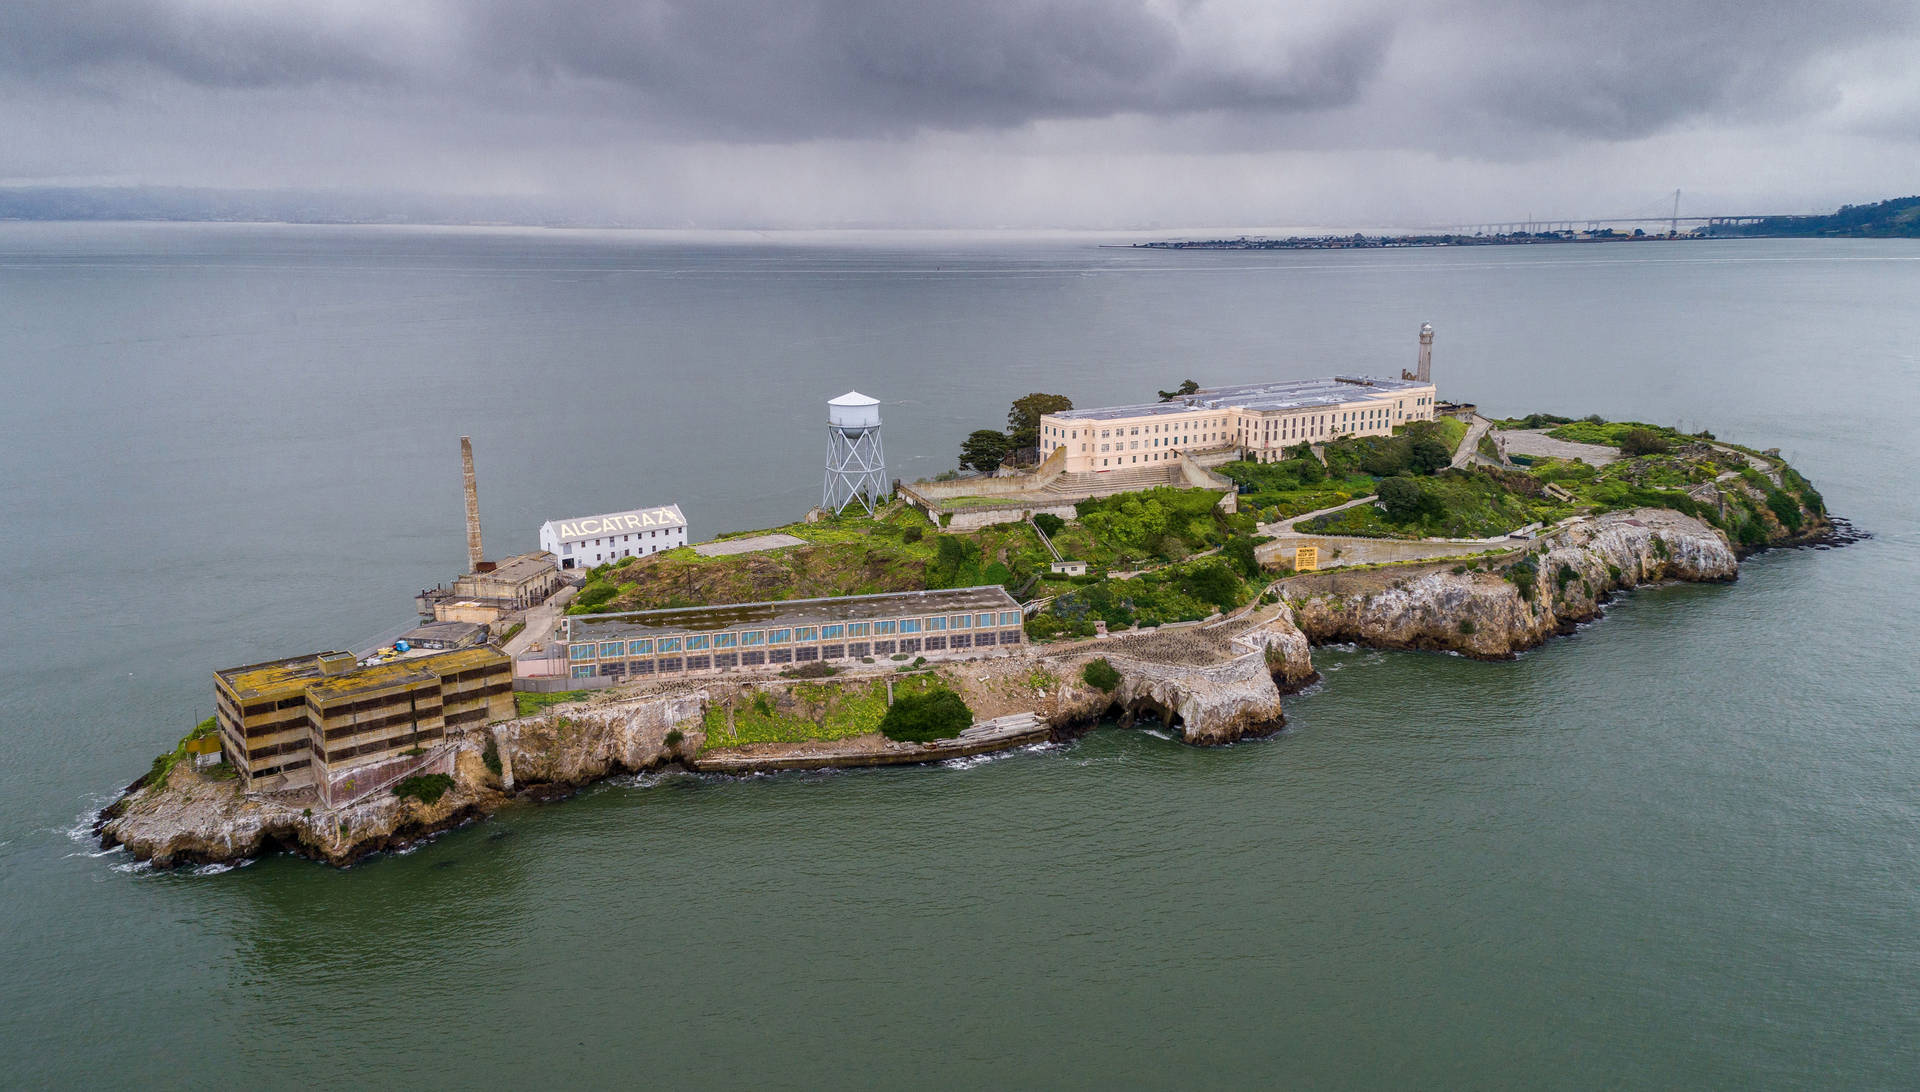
582 528
840 608
1288 394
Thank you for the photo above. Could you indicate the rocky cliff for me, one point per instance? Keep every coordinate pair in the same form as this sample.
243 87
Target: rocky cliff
1497 608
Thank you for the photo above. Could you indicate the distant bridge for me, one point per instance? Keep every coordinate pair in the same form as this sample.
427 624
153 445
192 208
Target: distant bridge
1672 223
1672 220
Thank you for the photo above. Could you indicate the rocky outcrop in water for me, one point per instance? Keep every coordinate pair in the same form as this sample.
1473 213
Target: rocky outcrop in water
1498 609
1212 705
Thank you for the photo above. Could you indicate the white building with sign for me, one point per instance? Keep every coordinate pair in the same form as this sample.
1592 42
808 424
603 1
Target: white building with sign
587 541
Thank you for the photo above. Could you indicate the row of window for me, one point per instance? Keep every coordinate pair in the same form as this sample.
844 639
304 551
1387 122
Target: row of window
696 642
667 665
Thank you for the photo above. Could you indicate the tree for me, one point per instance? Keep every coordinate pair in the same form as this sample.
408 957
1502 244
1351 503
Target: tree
923 718
1186 387
1403 499
983 450
1023 419
1429 454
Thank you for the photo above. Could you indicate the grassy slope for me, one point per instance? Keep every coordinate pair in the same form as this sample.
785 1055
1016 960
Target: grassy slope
902 552
810 711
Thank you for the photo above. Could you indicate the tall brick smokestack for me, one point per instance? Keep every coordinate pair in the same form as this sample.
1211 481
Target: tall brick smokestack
474 554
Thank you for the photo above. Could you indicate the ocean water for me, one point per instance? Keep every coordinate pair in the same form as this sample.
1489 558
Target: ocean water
1679 848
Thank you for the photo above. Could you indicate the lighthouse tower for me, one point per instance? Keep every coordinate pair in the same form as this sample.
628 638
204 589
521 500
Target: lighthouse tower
856 467
1424 374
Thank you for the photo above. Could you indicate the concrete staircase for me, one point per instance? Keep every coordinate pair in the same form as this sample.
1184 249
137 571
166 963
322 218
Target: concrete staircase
1097 484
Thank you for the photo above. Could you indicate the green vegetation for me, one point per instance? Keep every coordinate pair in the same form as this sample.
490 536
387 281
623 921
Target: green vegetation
1101 675
674 738
810 711
426 788
1023 418
491 757
1457 504
1177 593
1898 218
1186 387
922 718
1165 523
163 765
526 704
983 450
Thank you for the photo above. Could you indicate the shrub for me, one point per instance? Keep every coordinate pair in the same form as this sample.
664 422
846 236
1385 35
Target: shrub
675 737
1467 627
426 788
1523 574
1429 454
491 756
1240 550
1403 499
1049 523
1101 675
923 718
1565 576
1641 441
815 669
1785 509
594 594
1213 583
913 534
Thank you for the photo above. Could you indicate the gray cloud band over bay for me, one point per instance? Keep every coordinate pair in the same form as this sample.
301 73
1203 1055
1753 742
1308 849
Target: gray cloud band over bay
1489 80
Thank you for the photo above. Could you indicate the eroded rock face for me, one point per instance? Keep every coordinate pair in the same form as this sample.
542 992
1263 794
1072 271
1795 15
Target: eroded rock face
1218 704
575 744
1485 614
1289 653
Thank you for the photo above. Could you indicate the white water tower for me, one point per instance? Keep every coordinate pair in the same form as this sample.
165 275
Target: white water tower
856 467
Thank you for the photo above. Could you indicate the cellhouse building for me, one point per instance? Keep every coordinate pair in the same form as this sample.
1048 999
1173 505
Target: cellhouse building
586 541
1258 420
603 649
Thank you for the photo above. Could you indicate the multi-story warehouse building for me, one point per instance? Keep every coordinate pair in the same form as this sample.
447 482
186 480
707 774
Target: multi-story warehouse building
595 540
1260 419
307 721
649 644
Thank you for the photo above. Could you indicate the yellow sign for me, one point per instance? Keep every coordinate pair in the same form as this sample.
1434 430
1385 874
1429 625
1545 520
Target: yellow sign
1306 558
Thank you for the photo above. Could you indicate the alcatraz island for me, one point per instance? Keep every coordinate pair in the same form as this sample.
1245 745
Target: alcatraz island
1172 562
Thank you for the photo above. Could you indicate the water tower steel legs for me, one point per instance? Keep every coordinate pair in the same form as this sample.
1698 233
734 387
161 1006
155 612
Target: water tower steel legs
856 469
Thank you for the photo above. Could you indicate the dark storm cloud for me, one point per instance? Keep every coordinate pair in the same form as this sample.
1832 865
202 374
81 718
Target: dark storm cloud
1488 79
1616 69
850 68
233 47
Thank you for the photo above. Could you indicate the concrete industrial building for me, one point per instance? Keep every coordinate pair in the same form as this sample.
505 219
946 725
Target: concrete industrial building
324 722
495 589
637 645
595 540
1260 420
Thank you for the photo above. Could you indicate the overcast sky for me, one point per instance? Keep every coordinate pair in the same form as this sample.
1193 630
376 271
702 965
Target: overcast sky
1076 113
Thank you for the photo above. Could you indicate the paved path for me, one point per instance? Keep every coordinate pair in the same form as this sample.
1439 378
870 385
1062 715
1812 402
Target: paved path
1536 442
727 546
1285 526
540 622
1470 443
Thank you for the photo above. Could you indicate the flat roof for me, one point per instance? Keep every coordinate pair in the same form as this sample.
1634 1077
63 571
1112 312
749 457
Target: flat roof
517 569
839 608
581 528
442 631
1285 394
297 674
